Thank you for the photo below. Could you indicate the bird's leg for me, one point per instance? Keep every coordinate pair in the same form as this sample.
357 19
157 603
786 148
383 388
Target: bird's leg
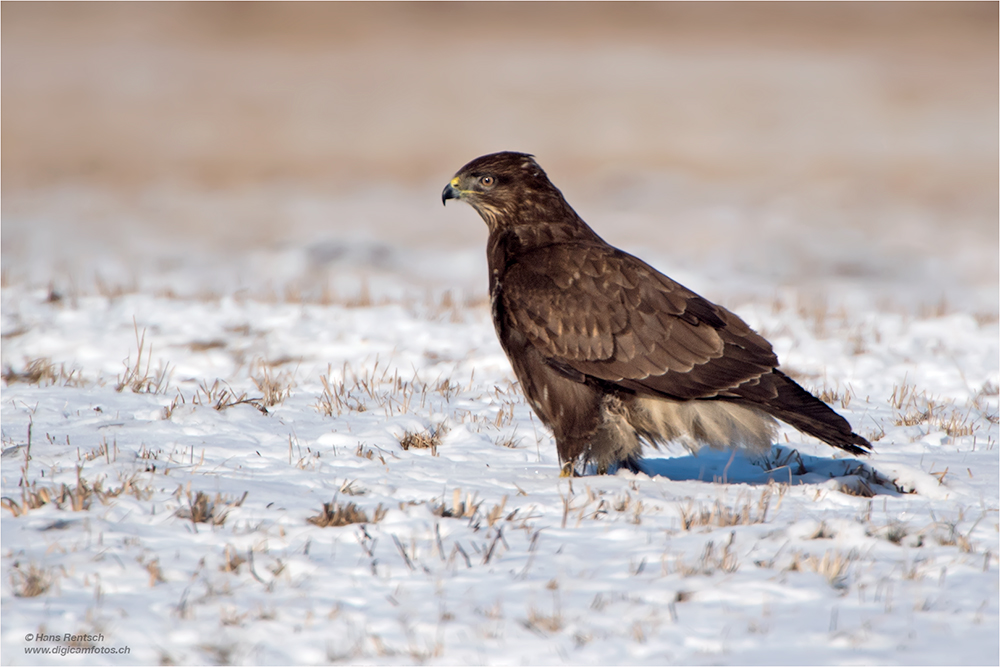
568 469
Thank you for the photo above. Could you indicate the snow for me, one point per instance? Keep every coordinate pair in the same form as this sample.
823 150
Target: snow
473 550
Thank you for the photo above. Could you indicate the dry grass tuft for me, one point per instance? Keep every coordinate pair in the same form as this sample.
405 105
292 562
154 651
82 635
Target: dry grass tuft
128 487
894 532
221 396
459 508
31 498
178 400
77 498
624 504
232 560
871 435
140 380
329 403
348 488
835 395
744 513
957 424
43 372
368 453
833 565
543 623
335 514
369 389
902 394
712 560
496 513
202 509
946 534
828 395
426 440
856 486
206 345
913 408
510 442
274 388
336 397
155 573
782 457
31 581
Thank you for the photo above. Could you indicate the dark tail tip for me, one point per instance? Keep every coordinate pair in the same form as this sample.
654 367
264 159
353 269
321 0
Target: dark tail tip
857 445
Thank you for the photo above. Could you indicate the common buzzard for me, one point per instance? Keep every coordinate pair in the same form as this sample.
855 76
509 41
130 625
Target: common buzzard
610 352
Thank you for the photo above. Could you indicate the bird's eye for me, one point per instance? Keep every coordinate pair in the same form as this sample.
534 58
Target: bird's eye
486 180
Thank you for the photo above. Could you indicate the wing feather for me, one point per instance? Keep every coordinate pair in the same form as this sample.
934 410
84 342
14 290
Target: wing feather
610 316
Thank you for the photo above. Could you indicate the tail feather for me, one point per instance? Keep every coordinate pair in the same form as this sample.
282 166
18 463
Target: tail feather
781 397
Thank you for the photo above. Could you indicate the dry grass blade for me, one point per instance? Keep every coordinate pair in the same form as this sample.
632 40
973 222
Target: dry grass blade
232 560
497 512
139 380
348 488
155 572
329 402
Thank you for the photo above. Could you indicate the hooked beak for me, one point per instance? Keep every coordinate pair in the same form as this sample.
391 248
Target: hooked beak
451 192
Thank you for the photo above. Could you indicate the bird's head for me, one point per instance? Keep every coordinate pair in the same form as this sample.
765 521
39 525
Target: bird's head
503 187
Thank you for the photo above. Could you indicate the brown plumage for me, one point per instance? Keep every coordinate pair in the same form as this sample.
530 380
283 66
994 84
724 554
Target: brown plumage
609 351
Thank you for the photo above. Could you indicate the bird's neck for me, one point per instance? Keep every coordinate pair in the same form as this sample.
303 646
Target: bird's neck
519 237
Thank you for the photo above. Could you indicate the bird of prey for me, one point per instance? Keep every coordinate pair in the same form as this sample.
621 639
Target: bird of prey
611 353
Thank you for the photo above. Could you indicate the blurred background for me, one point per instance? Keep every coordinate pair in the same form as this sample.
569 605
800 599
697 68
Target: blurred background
218 148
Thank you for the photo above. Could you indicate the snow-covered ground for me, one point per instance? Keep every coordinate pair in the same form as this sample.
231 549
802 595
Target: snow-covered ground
175 470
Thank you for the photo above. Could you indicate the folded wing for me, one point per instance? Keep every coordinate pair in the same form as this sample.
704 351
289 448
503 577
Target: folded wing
603 313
